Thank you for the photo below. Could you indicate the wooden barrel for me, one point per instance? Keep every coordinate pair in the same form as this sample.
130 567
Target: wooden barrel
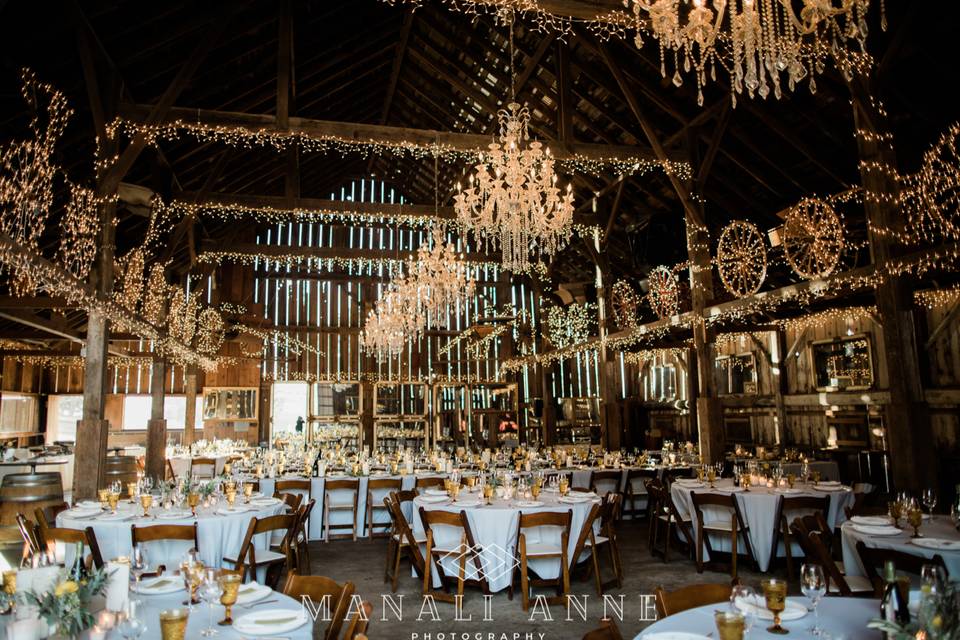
24 492
122 468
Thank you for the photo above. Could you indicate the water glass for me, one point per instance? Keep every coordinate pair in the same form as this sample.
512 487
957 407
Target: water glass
813 584
132 625
210 592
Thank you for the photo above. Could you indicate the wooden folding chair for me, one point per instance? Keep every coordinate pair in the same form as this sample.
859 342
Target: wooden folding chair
357 628
322 593
300 538
47 536
873 560
815 550
204 464
171 474
249 558
31 540
465 548
667 517
631 495
185 532
690 597
429 481
584 546
374 506
734 528
292 500
288 486
402 538
607 537
49 513
539 550
338 504
789 507
604 482
606 631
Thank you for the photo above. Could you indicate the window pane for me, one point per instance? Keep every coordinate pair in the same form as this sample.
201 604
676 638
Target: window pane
62 415
289 403
136 412
18 412
175 411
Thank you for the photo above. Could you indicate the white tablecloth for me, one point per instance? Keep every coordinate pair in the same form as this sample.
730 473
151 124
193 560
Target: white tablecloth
494 529
151 606
941 527
220 535
759 509
840 617
182 464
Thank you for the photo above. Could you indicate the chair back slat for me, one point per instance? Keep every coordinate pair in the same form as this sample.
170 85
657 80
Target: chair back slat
690 597
316 588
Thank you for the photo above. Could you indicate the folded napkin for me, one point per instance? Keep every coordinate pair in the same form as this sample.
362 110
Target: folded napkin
872 521
758 607
115 517
939 544
887 530
433 499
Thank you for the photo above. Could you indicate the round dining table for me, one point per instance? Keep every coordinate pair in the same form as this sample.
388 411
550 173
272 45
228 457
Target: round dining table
940 537
759 509
839 618
150 606
220 531
494 529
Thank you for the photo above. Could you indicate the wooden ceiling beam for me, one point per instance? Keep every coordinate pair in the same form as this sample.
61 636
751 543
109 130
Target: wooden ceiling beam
362 132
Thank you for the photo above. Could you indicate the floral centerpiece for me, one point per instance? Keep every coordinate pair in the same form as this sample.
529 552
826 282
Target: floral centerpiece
938 617
65 607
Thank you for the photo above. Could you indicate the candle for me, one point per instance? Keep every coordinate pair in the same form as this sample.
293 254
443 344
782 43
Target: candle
118 584
96 633
27 629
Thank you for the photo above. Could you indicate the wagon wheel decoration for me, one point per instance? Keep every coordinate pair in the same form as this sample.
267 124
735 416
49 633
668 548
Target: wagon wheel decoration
813 238
741 258
937 187
663 296
624 301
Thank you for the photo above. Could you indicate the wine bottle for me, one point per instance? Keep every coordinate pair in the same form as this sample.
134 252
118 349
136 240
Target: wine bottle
79 571
893 605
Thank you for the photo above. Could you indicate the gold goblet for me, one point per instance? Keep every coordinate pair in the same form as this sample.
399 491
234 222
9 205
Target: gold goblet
9 589
132 492
816 477
535 490
563 485
247 491
915 519
193 499
730 625
230 583
745 481
791 480
231 498
896 512
775 595
488 493
146 501
471 481
103 495
711 477
113 498
173 623
192 574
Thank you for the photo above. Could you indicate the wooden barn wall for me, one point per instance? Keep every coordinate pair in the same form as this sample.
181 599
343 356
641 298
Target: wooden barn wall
941 348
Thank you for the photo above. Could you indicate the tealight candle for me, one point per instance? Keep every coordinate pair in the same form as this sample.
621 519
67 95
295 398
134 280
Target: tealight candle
96 633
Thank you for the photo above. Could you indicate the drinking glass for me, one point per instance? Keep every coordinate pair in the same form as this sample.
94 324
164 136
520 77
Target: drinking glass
711 477
104 496
915 519
173 623
930 500
813 584
210 592
791 480
231 498
146 501
775 596
247 491
932 578
746 595
730 625
132 625
138 564
132 492
895 510
230 584
488 493
193 500
113 498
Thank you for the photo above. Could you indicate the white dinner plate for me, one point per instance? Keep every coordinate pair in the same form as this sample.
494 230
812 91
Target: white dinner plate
939 544
729 489
264 502
829 483
81 512
115 517
529 503
757 605
252 592
434 499
575 499
435 492
88 504
270 622
831 488
466 503
237 509
888 530
872 521
673 635
160 585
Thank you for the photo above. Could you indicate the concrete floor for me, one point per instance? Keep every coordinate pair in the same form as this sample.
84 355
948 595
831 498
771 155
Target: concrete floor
362 562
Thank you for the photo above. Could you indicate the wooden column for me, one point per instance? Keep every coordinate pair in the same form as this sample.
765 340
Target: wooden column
157 426
190 416
908 424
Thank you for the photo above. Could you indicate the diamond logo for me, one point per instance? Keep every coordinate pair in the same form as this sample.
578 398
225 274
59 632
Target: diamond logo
496 561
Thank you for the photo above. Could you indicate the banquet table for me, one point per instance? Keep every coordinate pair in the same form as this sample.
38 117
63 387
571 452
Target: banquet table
220 532
495 530
845 618
152 605
940 528
759 509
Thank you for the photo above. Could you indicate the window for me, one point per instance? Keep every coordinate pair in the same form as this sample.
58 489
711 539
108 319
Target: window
137 408
289 403
62 415
18 412
843 363
661 383
736 375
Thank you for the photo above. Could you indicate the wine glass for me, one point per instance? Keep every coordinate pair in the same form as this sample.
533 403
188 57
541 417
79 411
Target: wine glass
775 596
932 578
743 593
210 592
813 584
138 564
132 625
915 519
930 500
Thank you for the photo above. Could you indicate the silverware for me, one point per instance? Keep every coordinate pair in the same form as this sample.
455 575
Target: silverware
253 604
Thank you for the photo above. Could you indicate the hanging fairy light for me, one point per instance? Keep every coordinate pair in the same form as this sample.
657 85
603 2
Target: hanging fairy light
513 199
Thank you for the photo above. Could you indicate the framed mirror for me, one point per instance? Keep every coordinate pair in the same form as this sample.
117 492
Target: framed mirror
842 363
390 435
325 433
400 399
736 374
230 403
330 399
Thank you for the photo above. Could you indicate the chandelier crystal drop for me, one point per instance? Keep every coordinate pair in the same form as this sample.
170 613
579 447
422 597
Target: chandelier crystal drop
513 198
757 41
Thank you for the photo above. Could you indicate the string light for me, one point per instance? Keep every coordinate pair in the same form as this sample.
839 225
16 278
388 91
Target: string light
813 238
937 298
79 229
570 325
742 258
663 294
625 303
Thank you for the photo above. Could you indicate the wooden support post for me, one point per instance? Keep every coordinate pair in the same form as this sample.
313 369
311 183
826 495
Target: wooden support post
190 416
908 423
780 387
157 425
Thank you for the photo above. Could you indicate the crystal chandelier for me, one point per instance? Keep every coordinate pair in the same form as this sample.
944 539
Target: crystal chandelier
757 41
390 323
513 198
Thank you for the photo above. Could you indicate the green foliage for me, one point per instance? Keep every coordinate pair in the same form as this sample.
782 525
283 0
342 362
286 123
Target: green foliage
66 605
